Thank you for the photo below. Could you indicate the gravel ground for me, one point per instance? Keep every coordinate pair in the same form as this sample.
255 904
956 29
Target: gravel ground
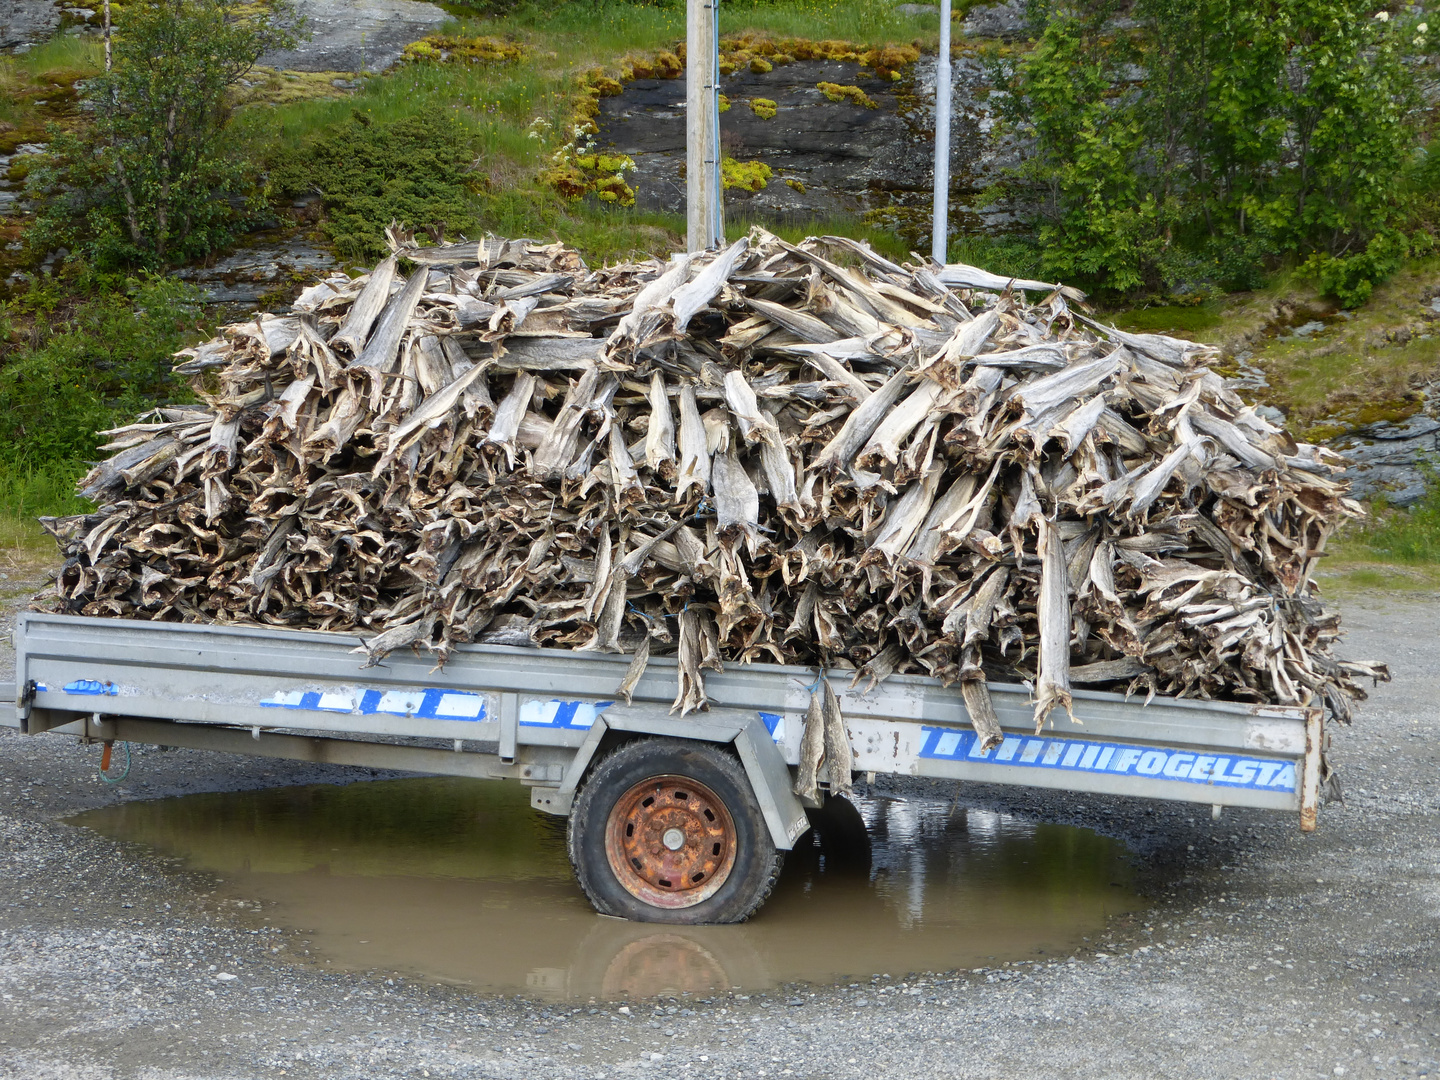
1267 953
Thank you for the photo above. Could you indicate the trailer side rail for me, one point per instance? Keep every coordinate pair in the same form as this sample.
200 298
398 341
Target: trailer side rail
540 714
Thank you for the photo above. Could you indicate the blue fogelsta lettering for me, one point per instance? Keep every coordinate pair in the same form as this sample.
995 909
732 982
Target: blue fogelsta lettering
1082 755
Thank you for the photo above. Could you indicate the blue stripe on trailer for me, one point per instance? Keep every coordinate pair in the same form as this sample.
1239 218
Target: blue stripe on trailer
430 703
564 715
1125 759
89 686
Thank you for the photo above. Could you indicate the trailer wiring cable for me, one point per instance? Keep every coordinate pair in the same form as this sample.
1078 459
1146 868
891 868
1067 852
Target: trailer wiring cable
105 764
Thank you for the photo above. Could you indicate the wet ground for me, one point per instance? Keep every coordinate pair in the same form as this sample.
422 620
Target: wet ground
461 881
1264 953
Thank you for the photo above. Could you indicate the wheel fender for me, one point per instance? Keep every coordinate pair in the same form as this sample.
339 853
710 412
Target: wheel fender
763 762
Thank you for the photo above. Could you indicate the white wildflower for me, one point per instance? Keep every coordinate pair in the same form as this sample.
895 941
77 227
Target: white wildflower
1383 16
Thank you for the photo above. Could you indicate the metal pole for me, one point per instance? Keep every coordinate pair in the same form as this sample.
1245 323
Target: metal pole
717 200
939 233
702 126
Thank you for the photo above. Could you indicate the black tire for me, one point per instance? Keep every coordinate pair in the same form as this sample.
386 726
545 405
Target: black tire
597 835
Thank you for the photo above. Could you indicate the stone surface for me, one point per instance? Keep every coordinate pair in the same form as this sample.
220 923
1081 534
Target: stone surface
1005 20
12 193
1390 459
275 270
27 22
843 159
356 35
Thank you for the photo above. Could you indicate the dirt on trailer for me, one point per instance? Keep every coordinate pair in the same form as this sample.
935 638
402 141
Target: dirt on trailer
1259 951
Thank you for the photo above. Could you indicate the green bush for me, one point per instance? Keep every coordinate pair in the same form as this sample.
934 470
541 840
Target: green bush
104 364
417 171
1213 140
1351 278
152 179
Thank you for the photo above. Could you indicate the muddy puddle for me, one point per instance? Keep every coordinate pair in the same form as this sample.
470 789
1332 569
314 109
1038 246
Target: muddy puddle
460 881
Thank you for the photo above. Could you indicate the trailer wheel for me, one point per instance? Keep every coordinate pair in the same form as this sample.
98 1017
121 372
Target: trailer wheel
669 831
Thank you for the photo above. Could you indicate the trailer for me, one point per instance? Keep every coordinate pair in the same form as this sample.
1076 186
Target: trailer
671 819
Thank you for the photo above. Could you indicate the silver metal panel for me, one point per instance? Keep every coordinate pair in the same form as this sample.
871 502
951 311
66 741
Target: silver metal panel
221 674
1109 784
302 748
53 647
721 727
773 784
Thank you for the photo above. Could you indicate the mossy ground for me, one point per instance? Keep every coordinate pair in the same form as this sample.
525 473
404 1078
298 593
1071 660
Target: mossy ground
1365 365
37 88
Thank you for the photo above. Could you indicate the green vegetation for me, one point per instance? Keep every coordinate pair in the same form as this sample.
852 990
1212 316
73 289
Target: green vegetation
1410 536
1158 195
89 366
1169 319
886 243
414 170
517 127
746 175
150 179
1393 549
38 88
1286 129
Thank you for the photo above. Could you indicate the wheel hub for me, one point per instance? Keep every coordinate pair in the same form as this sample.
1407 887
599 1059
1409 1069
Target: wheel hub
670 841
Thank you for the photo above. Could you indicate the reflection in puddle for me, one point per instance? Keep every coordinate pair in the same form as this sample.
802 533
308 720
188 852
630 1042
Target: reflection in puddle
460 880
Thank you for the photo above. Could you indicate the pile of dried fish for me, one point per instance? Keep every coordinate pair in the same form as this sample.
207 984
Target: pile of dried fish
799 454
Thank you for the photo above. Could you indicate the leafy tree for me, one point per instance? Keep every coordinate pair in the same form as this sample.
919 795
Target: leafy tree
151 179
1218 134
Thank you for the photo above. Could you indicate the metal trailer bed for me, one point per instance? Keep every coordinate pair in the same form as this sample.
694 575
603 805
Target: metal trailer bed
550 719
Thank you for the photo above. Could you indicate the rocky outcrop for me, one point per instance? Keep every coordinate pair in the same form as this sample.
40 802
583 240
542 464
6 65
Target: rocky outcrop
1006 21
27 22
1393 459
830 158
357 35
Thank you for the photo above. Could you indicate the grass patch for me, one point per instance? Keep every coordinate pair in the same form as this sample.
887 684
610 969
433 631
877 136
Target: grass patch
28 491
1409 537
1393 550
1169 319
1365 365
38 88
885 243
26 552
1013 256
508 120
271 87
600 233
83 366
1347 577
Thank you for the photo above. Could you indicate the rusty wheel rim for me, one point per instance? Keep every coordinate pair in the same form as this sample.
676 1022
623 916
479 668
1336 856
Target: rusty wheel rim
670 841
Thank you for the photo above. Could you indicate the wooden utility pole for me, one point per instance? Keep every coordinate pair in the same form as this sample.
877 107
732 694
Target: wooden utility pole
939 230
704 210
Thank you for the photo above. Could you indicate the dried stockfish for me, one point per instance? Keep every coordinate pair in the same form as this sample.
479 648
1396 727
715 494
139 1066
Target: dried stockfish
812 748
638 662
351 337
839 758
774 455
1052 688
